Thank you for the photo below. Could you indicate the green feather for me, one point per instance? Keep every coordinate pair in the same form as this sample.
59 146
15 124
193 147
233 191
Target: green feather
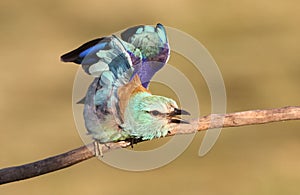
138 120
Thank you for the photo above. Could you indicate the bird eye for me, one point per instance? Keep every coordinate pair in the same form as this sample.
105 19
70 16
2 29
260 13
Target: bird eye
155 113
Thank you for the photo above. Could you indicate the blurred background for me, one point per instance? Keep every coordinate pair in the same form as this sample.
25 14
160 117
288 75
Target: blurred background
255 43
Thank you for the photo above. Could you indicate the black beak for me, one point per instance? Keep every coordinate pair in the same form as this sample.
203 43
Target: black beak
175 120
179 112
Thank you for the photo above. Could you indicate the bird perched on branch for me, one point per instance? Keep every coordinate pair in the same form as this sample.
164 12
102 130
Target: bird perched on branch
118 106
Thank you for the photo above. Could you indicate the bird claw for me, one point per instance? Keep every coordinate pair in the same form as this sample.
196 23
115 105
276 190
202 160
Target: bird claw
124 144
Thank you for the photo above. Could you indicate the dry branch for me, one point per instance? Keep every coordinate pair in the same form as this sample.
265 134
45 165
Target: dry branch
75 156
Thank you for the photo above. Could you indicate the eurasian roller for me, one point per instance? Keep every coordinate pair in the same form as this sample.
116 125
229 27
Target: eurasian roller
118 106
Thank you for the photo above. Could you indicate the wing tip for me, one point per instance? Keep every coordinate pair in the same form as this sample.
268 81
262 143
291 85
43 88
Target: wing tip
77 54
65 57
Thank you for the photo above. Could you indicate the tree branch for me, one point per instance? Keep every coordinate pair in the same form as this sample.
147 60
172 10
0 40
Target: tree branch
237 119
78 155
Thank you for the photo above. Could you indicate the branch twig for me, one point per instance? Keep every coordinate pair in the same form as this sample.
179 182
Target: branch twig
78 155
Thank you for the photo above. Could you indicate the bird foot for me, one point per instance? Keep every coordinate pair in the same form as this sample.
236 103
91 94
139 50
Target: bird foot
134 141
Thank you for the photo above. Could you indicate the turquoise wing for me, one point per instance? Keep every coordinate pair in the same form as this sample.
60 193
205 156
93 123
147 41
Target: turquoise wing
147 47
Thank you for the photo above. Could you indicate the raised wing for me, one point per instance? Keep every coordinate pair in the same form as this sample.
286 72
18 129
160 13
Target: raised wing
147 47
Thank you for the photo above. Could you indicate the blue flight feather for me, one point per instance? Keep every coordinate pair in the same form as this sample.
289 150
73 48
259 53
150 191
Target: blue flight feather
93 49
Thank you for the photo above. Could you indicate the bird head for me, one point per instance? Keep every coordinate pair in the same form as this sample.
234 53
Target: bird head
160 109
148 116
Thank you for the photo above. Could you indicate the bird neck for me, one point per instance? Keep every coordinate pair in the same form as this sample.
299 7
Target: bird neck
130 91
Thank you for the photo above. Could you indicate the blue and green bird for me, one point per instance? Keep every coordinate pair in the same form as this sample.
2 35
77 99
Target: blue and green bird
118 106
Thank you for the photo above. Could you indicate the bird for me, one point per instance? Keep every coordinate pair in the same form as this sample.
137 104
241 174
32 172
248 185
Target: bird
118 105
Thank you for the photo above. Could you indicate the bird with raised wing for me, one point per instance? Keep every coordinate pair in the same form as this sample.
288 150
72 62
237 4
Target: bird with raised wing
118 106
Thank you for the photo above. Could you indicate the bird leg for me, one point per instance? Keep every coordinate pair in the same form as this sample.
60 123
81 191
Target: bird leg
98 149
